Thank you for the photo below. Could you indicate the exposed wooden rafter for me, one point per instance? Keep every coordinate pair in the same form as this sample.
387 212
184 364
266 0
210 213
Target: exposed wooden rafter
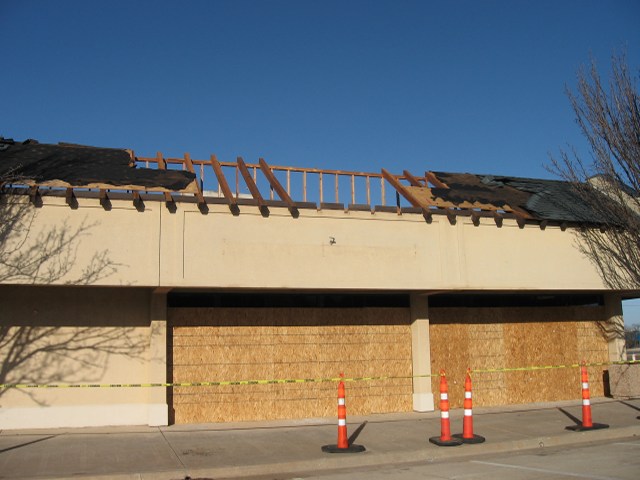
432 197
137 201
34 196
169 201
222 181
433 180
70 198
202 204
414 181
498 218
104 199
251 185
277 186
224 185
402 190
407 194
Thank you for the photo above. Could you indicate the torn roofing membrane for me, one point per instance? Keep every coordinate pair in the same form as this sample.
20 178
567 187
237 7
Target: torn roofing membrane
67 165
553 200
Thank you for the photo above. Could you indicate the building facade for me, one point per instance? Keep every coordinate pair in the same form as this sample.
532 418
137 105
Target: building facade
156 282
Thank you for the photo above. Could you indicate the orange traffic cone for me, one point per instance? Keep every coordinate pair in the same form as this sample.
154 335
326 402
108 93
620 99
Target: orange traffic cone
445 439
587 422
467 423
343 442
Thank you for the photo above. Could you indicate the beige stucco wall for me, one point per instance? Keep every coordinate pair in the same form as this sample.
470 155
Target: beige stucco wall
58 245
70 335
379 251
119 334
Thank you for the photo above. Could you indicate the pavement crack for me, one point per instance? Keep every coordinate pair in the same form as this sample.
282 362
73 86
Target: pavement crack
184 467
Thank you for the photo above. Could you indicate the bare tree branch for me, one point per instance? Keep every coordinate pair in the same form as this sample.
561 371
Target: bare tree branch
609 118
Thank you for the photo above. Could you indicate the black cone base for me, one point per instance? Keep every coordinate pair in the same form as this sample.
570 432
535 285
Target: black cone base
474 439
350 449
454 442
580 428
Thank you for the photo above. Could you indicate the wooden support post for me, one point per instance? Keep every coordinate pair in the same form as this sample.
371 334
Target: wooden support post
304 186
353 189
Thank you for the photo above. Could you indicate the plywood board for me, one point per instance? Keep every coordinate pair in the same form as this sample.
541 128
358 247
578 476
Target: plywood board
499 338
228 344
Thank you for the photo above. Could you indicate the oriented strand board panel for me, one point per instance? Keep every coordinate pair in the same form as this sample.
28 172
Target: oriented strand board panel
498 338
228 344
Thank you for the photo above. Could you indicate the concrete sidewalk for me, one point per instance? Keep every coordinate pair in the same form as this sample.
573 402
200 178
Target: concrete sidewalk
208 451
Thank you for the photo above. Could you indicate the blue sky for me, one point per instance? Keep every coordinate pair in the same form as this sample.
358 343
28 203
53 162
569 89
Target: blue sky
356 85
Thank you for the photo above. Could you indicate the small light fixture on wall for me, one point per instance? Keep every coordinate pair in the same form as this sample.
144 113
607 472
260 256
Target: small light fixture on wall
332 240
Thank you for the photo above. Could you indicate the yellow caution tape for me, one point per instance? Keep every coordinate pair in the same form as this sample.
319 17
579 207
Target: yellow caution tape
203 384
549 367
293 380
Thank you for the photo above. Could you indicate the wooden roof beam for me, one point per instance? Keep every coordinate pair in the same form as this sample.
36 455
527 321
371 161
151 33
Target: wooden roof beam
34 196
277 186
224 185
402 190
202 204
433 180
169 201
137 201
104 199
475 218
70 198
251 184
414 181
498 218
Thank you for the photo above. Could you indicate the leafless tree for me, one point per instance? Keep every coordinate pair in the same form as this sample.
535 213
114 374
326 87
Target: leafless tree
608 114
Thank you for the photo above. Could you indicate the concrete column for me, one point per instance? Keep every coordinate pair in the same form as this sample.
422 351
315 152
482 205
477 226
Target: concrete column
157 361
614 327
421 353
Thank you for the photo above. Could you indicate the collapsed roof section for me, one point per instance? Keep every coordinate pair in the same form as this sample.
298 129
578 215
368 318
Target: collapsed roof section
70 167
67 165
535 199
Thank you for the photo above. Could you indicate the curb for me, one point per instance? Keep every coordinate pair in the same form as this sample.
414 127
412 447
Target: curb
371 458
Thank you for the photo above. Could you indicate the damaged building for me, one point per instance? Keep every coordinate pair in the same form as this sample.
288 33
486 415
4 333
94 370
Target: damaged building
215 291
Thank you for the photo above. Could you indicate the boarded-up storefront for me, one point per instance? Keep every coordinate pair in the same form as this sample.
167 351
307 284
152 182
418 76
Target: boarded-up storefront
512 338
229 344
